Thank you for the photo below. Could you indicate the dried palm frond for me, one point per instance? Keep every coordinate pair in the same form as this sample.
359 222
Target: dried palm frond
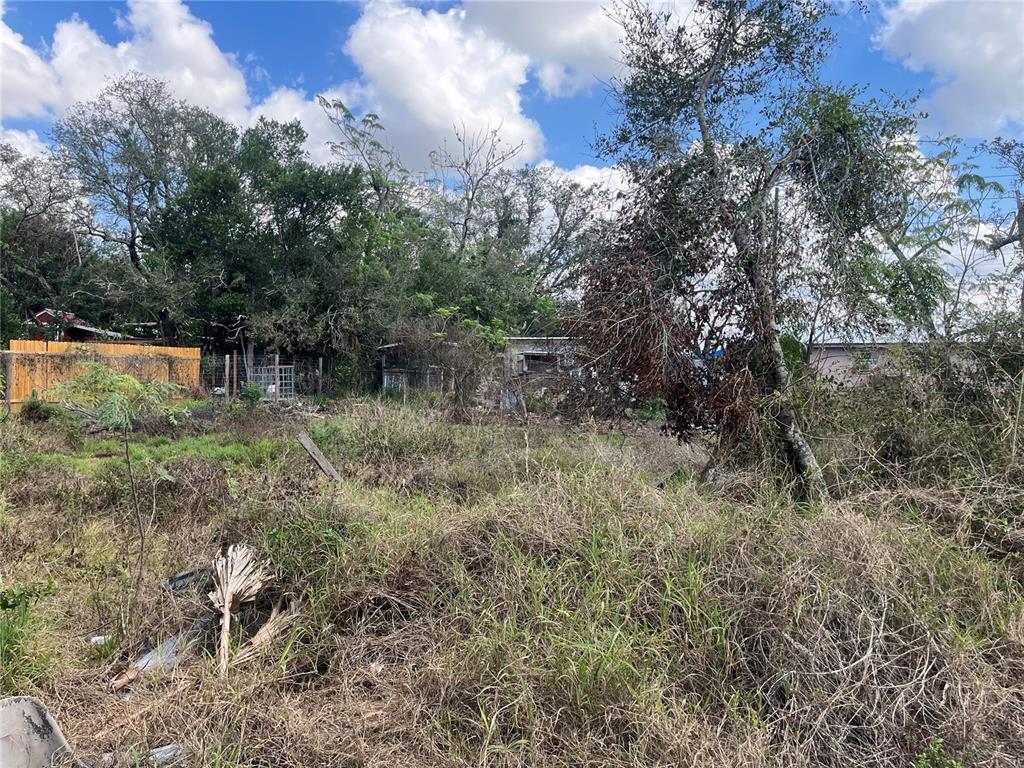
279 620
238 578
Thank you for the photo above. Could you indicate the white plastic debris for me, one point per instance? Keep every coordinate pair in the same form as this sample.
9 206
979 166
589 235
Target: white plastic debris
29 736
161 757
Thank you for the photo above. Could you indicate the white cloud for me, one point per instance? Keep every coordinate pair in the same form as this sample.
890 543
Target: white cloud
421 71
163 40
27 83
975 50
425 70
26 142
610 177
571 44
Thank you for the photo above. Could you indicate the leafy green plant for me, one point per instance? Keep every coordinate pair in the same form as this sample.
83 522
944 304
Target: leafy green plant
114 401
935 756
251 395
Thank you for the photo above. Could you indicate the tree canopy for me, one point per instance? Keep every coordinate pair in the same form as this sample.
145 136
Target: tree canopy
151 210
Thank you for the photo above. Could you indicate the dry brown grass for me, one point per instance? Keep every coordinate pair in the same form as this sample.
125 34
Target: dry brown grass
501 596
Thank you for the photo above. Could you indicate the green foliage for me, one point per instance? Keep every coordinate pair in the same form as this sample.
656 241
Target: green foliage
116 399
11 326
20 664
653 411
247 238
850 154
935 756
251 395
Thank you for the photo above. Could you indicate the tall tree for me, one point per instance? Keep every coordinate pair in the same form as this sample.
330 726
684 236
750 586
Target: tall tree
267 246
746 167
130 150
43 260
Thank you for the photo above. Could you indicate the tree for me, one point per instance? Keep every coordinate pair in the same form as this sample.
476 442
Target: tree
267 246
130 150
746 169
511 236
1011 154
362 144
44 260
465 175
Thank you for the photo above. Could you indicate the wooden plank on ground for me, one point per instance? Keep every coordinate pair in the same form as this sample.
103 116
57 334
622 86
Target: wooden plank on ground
307 442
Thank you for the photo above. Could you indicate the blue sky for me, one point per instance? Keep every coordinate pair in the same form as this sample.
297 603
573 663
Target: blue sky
534 67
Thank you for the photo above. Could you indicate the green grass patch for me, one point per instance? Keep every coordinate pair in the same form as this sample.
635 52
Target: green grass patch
22 664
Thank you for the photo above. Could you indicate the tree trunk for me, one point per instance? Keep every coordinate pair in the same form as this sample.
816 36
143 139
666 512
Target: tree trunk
798 451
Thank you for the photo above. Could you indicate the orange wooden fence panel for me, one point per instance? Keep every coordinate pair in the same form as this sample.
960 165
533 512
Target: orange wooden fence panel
36 366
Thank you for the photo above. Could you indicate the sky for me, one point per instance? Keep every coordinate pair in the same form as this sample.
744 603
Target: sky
538 69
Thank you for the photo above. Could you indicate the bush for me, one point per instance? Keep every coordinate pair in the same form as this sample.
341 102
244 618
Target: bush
38 411
935 756
251 395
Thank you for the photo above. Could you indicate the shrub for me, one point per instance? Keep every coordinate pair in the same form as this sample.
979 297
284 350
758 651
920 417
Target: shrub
934 756
36 410
251 395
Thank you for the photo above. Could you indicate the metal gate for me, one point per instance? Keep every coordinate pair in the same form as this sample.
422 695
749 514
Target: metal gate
276 381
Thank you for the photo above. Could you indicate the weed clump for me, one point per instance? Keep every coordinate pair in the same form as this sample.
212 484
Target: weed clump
37 411
21 665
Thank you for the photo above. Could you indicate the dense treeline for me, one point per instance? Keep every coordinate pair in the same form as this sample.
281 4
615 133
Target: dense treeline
153 211
766 210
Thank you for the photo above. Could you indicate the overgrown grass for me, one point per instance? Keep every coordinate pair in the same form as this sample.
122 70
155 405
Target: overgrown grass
22 662
98 456
510 596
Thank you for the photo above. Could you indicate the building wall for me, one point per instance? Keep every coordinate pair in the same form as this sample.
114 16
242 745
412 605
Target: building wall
519 347
847 364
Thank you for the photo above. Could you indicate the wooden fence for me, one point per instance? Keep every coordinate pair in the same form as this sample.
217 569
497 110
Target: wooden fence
36 366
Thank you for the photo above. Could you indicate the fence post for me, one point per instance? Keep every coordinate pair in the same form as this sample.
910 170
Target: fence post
319 375
234 373
227 375
8 384
277 377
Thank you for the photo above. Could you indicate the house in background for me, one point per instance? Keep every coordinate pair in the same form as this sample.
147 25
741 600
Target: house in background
534 367
528 365
537 356
57 325
850 363
539 367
